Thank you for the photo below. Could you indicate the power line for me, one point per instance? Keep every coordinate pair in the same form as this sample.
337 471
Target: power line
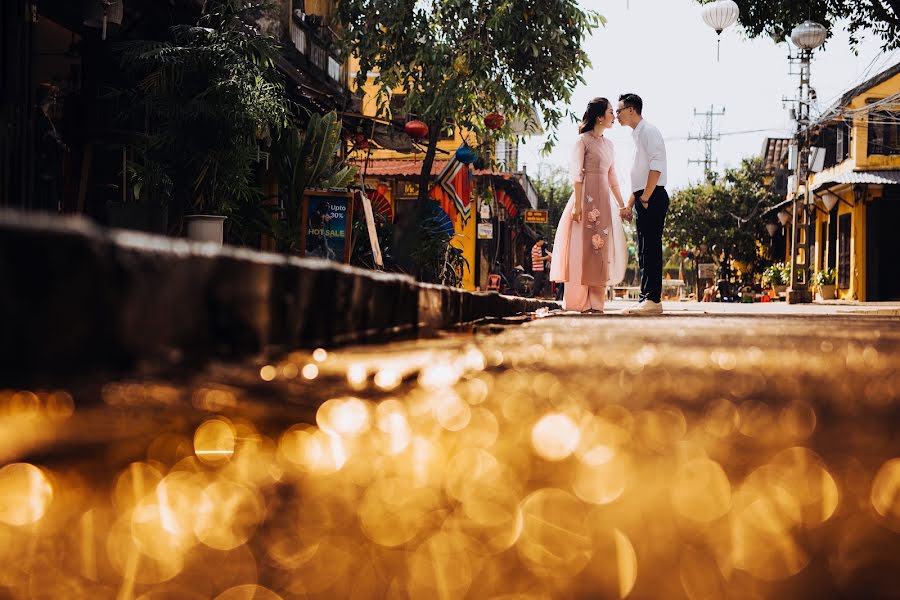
728 133
707 136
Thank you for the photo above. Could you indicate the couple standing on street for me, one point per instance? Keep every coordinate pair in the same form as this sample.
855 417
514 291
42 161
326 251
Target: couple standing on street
590 249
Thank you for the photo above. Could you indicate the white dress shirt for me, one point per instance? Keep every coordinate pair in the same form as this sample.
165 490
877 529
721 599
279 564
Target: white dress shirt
649 155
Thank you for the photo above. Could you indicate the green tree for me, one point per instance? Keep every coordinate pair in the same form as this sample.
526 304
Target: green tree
777 18
461 59
724 213
207 96
554 189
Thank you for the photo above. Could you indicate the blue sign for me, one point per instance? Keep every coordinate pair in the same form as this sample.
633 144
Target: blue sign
327 220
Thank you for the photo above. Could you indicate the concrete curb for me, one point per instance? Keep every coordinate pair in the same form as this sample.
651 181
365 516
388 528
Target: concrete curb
76 295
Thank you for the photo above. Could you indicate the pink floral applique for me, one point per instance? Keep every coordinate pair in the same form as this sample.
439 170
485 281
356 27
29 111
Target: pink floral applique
592 218
598 242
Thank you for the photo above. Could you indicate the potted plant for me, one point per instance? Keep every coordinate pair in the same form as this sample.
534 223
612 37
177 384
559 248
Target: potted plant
824 282
776 277
210 96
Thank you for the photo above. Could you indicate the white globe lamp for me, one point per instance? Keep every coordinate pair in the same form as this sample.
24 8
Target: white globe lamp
720 15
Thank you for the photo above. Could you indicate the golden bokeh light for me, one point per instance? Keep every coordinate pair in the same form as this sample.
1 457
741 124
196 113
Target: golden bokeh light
885 495
554 540
310 371
268 373
464 469
25 494
248 592
227 515
701 491
602 482
555 437
356 376
214 441
344 416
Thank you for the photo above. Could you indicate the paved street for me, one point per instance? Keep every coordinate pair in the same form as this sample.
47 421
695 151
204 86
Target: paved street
685 456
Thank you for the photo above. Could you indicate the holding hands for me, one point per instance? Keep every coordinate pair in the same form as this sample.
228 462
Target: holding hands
626 213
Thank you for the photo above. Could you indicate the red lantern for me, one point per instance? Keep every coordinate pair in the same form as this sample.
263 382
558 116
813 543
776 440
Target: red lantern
416 129
684 253
361 141
494 121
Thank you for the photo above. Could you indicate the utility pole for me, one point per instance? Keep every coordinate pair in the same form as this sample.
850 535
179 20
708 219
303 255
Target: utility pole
707 136
806 37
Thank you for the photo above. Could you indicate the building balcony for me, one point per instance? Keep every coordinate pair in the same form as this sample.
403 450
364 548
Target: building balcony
313 51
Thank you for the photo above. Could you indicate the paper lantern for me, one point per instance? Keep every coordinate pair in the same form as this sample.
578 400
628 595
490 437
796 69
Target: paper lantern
720 15
416 129
809 35
494 121
466 155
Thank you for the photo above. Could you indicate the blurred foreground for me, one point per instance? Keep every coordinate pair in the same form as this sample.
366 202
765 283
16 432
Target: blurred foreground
677 457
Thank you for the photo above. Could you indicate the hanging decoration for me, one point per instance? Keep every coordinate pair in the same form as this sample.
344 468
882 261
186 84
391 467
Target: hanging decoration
416 129
720 15
466 155
453 189
494 121
809 35
361 141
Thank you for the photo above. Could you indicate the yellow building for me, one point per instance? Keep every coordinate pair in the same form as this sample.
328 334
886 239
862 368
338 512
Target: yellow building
857 192
391 162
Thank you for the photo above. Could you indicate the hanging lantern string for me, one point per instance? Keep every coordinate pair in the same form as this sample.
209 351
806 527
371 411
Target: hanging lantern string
720 15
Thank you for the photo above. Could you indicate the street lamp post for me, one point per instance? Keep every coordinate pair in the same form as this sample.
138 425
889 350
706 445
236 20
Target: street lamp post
806 37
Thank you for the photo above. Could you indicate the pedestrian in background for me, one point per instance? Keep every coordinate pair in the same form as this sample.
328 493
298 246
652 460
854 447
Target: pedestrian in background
539 259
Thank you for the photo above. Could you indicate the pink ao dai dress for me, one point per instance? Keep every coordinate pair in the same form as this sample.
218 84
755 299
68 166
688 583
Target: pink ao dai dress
590 255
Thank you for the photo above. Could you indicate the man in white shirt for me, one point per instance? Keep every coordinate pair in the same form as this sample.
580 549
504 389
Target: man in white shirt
649 201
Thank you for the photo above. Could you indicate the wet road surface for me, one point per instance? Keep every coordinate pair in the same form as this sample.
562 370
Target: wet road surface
685 456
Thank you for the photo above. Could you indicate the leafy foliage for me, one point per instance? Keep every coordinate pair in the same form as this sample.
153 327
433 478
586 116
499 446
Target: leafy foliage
461 59
555 189
724 213
776 274
777 18
305 160
207 95
824 277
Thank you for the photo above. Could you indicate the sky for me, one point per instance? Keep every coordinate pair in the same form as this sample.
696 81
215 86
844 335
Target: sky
663 51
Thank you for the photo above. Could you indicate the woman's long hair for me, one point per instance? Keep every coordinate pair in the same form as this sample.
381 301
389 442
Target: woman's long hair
596 109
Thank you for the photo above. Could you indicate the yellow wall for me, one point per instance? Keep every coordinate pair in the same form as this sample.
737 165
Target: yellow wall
467 233
857 289
858 160
861 127
370 108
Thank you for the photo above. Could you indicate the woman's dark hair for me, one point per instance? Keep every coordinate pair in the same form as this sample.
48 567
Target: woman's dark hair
596 109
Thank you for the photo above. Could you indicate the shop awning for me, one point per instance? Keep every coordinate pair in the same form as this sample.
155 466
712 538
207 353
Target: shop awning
854 177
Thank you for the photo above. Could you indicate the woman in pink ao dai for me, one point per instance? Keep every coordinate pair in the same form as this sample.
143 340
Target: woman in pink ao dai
589 252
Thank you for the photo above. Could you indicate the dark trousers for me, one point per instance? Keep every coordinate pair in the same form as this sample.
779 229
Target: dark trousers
650 222
540 283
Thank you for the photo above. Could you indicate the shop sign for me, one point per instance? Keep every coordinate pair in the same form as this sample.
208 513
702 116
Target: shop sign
485 231
326 225
407 190
537 216
706 270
